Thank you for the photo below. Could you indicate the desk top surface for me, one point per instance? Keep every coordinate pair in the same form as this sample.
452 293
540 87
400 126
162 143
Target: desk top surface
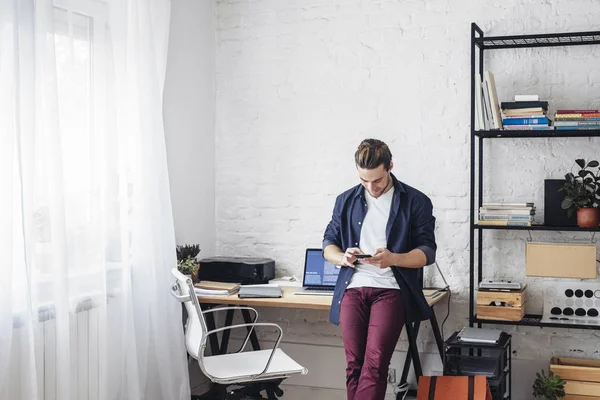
290 300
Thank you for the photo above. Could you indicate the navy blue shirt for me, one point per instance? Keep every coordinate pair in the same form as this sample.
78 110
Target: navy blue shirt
410 226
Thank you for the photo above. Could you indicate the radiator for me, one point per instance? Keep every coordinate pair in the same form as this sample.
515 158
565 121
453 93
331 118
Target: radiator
84 376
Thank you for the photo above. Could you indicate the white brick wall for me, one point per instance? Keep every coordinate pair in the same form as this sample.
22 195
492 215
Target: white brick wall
301 82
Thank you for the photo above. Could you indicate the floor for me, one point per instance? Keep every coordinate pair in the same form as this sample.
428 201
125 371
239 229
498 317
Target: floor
305 392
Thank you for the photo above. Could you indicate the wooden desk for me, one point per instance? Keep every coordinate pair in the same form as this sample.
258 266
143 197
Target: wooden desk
291 300
316 302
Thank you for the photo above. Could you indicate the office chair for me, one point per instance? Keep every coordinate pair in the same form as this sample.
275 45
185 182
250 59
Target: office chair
254 371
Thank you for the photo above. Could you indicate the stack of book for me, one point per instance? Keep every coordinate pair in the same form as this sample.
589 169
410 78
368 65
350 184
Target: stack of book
506 214
577 119
525 113
211 288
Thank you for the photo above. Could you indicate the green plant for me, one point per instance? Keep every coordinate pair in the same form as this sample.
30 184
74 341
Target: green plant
187 266
581 190
548 387
186 258
187 251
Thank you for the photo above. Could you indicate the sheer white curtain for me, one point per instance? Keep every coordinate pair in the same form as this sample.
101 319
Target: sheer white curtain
86 229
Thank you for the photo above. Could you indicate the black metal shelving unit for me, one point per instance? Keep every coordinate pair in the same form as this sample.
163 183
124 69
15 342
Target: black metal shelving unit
479 44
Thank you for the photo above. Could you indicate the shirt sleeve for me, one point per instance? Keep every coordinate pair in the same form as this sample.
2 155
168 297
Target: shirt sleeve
333 231
423 226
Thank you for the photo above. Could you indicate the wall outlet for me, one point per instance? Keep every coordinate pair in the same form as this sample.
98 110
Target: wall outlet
392 375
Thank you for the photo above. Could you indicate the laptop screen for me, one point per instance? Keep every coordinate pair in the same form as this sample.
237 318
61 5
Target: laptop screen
318 271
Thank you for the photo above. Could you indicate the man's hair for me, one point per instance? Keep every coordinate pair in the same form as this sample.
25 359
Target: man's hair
371 153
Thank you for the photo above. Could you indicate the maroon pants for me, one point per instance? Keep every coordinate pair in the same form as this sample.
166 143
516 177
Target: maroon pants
371 320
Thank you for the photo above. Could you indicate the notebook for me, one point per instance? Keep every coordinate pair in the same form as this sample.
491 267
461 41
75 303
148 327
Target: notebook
259 291
479 335
319 275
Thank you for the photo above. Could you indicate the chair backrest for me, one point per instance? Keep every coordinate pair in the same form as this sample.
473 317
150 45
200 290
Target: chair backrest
195 327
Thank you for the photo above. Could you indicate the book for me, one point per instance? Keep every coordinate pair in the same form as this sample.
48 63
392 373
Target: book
504 223
578 123
524 112
528 127
505 217
479 110
491 85
512 105
259 291
527 97
487 108
526 121
596 117
212 288
507 211
507 205
577 111
213 285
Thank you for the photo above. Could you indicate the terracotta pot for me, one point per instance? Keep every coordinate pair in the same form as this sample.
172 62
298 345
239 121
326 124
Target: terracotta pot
587 217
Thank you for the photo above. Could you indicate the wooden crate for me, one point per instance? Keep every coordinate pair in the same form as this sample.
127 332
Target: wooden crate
582 377
513 310
576 369
511 298
578 397
501 313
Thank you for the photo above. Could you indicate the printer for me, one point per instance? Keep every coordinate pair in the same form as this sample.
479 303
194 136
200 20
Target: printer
244 270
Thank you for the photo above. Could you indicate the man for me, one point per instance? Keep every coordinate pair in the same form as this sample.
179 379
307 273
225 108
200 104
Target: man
374 296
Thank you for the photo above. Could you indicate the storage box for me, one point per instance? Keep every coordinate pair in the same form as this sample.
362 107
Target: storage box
453 388
561 260
511 305
582 377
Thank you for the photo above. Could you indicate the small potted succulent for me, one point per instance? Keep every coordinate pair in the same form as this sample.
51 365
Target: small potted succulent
582 193
187 263
548 387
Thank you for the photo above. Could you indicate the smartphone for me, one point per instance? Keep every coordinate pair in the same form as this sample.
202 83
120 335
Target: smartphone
362 255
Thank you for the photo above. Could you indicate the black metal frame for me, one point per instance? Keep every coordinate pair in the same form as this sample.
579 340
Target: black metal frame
479 43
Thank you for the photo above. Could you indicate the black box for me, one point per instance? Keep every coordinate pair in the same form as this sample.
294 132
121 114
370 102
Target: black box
244 270
554 214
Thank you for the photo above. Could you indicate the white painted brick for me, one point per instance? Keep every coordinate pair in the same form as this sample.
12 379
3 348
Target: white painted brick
300 83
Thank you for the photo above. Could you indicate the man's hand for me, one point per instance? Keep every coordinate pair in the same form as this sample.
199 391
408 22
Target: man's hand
382 258
348 258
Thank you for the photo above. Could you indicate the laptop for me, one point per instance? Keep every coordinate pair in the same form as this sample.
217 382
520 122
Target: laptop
479 335
319 275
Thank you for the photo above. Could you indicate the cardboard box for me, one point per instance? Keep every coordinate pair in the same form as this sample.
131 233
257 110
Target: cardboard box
561 260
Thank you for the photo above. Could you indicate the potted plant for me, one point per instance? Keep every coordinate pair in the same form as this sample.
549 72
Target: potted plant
187 263
581 193
548 387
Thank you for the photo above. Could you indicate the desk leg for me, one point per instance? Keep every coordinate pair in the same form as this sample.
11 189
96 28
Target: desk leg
412 334
227 332
253 338
210 325
438 336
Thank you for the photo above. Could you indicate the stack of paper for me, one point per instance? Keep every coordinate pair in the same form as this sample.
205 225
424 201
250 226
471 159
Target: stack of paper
211 288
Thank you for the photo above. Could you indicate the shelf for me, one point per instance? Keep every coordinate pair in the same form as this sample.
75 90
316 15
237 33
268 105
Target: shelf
542 40
534 320
582 133
537 228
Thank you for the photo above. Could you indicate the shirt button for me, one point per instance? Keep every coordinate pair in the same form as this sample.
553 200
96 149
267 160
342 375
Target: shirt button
356 243
359 222
339 302
346 282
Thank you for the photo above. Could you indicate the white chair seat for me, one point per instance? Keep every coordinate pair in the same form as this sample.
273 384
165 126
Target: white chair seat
235 366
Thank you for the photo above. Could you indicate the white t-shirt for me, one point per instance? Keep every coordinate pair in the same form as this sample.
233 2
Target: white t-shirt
372 237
